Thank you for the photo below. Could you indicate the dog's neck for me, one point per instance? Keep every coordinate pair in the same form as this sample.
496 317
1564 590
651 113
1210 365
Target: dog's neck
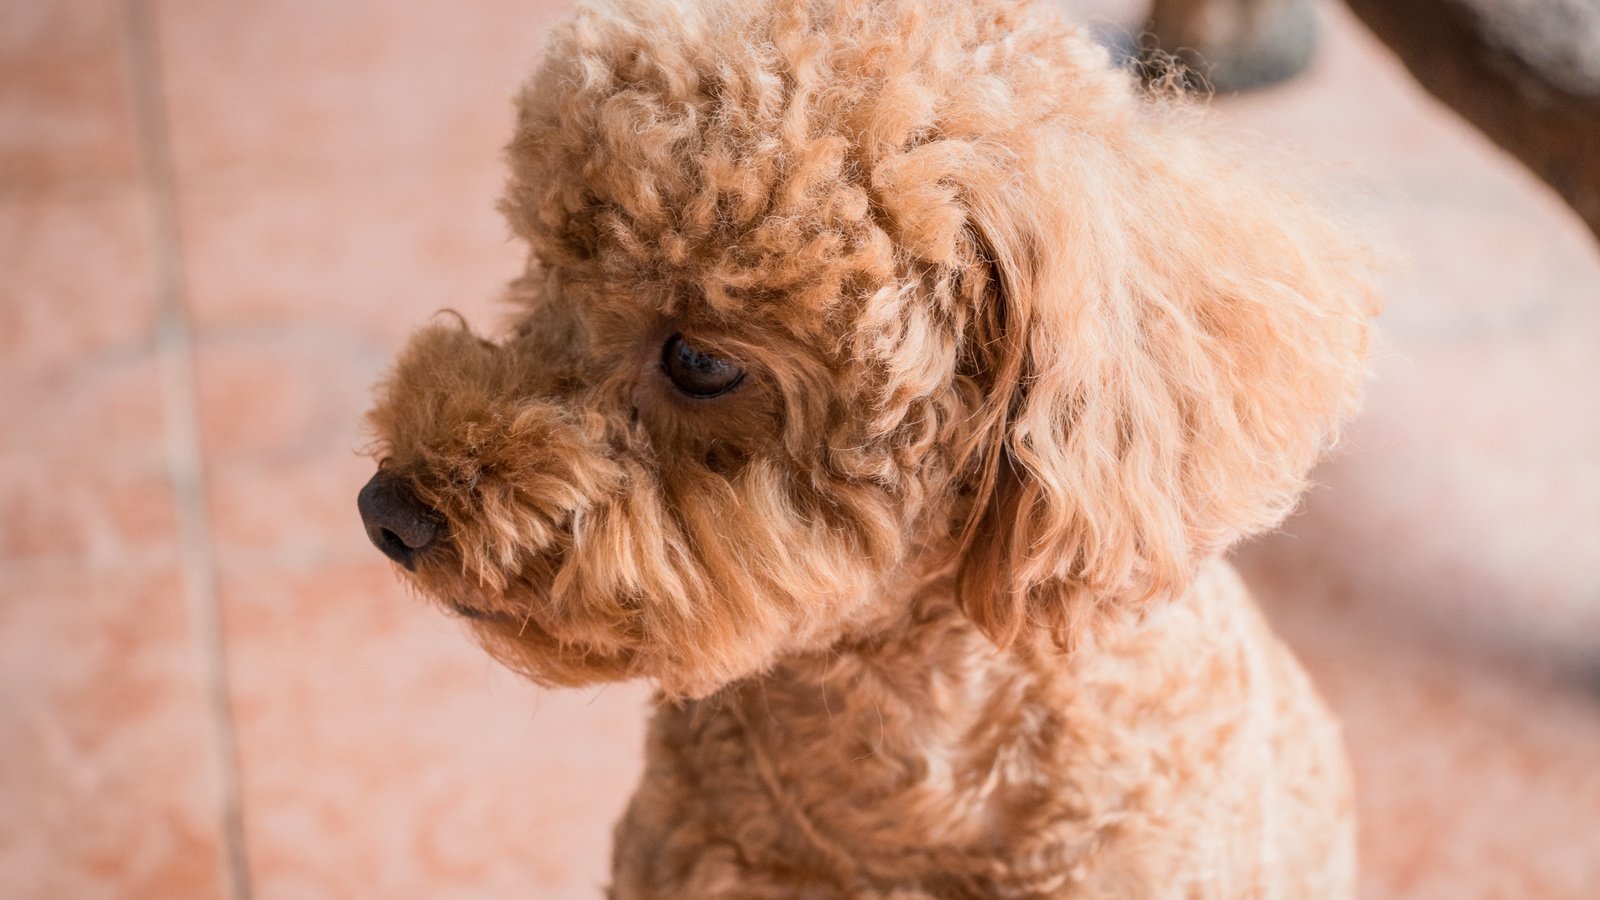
922 749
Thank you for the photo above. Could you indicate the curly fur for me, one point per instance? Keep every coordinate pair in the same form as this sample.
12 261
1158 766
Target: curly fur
934 597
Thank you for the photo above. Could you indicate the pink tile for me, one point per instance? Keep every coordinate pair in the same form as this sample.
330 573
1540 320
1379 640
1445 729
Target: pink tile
87 481
356 187
65 118
73 238
77 277
384 755
107 789
1474 774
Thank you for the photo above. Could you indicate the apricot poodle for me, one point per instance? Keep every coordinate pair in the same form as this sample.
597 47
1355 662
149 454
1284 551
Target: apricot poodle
886 380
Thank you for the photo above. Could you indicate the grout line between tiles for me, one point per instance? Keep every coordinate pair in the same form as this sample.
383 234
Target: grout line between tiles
175 351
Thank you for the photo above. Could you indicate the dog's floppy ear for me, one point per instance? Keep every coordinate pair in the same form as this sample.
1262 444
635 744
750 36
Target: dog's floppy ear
1165 346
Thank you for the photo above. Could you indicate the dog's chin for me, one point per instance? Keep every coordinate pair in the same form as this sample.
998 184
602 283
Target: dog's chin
552 662
547 655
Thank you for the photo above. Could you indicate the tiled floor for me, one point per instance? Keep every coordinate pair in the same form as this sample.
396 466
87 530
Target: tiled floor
217 221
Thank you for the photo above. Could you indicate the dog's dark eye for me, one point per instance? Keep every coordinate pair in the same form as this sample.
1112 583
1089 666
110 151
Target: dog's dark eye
700 375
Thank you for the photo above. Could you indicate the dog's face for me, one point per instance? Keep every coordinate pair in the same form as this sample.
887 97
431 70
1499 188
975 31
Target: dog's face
826 299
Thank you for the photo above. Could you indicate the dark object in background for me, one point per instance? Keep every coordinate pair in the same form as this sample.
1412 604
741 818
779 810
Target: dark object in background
1232 45
1526 74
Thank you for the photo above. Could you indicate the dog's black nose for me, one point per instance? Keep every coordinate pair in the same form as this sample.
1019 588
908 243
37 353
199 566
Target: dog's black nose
397 522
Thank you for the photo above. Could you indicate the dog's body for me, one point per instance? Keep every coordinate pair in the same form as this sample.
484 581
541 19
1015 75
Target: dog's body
924 757
886 381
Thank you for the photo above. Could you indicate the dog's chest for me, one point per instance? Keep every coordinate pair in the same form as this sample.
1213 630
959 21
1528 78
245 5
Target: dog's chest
972 777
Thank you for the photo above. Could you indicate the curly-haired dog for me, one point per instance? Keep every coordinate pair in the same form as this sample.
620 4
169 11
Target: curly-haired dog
885 381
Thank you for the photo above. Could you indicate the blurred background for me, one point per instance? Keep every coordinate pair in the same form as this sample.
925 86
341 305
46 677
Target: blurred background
218 222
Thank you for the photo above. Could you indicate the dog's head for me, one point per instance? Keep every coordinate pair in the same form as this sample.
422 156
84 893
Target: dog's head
827 298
